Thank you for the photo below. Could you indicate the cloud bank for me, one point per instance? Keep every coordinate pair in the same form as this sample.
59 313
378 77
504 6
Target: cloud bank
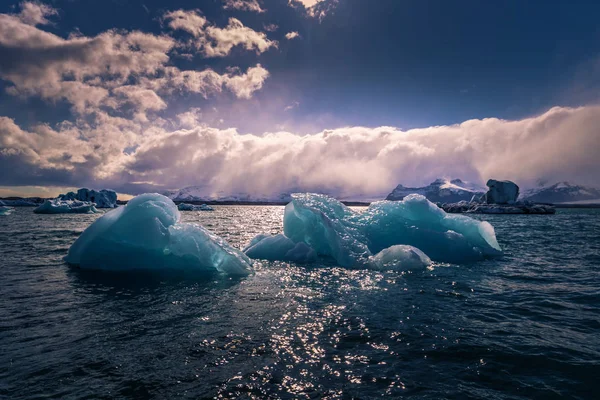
561 144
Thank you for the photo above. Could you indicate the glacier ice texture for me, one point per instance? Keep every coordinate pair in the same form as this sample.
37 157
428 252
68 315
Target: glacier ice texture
5 210
353 238
193 207
58 206
104 198
146 234
279 248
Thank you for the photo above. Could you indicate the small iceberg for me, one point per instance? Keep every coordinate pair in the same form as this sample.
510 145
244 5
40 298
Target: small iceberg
58 206
193 207
5 210
400 258
370 239
146 234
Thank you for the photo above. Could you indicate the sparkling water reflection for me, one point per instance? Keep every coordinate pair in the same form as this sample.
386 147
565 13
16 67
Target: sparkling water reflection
523 326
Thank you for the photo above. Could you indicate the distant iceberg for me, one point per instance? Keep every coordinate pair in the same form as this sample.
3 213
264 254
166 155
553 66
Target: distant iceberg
104 198
194 207
354 239
5 210
146 234
58 206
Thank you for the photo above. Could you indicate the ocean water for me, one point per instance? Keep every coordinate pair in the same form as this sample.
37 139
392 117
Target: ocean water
525 326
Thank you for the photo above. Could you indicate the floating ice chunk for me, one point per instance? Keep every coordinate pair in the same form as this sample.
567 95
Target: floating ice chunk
4 210
193 207
279 247
104 198
146 234
400 258
58 206
335 230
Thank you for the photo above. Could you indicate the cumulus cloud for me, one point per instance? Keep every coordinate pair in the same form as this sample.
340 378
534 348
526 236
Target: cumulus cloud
561 144
213 41
34 13
110 70
292 35
245 5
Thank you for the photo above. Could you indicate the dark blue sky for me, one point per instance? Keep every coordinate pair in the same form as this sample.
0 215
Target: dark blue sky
386 62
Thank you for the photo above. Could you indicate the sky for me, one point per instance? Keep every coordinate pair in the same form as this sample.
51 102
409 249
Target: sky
345 97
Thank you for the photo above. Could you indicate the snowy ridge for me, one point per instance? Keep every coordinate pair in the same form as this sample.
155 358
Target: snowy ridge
561 192
200 193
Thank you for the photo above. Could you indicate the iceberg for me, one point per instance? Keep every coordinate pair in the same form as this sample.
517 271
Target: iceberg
58 206
146 234
193 207
104 198
279 248
4 210
358 239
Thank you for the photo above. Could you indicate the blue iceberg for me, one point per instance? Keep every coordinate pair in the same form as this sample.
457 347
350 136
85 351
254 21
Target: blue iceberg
146 234
353 239
58 206
194 207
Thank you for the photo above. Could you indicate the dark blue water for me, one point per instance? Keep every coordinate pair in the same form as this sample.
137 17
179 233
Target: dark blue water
521 327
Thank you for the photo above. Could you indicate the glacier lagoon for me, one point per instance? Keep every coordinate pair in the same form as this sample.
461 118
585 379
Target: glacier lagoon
518 326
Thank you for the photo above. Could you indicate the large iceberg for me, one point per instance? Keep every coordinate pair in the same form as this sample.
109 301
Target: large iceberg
147 234
194 207
5 210
353 239
104 198
58 206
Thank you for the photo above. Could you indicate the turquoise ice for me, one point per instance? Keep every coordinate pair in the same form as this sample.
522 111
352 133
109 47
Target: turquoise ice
146 234
353 238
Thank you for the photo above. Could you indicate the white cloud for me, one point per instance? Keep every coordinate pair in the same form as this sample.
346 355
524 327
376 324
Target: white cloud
90 73
213 41
292 35
34 13
245 5
561 144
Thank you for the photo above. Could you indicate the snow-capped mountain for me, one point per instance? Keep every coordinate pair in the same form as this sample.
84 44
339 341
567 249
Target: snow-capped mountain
199 193
441 191
561 192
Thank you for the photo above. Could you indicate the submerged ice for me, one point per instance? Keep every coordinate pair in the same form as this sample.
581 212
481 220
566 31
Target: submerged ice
5 210
370 238
146 234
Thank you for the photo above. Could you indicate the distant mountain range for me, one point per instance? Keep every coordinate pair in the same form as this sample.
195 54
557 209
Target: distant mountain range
198 193
441 191
561 192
